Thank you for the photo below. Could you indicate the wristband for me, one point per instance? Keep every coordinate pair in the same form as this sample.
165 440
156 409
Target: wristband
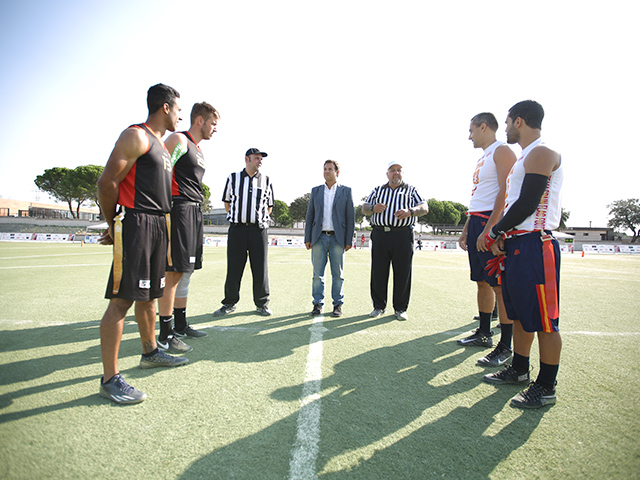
490 238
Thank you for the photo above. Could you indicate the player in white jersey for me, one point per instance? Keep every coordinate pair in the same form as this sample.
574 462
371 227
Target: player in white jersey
485 209
532 266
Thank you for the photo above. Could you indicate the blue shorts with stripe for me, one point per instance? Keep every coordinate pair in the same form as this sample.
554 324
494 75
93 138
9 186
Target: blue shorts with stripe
478 260
531 281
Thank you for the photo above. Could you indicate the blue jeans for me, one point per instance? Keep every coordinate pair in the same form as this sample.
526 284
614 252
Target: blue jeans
327 245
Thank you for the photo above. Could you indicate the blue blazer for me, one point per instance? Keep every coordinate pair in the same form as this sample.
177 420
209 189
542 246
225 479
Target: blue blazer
344 215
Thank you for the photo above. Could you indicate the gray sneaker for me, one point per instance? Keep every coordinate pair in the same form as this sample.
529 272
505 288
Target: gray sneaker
477 338
535 396
264 311
377 312
120 391
190 332
161 359
498 356
401 315
507 376
173 344
224 309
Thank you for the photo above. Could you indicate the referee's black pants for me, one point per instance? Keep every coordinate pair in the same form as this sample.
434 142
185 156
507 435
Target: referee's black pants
242 240
392 248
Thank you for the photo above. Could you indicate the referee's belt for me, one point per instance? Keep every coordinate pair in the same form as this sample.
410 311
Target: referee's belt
391 229
328 232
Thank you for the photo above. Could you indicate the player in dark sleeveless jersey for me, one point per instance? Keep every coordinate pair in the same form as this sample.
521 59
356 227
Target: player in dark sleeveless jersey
138 178
187 234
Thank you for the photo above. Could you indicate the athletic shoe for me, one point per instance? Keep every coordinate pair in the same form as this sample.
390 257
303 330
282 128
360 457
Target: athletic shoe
507 376
337 311
264 311
497 357
317 310
173 345
377 312
120 391
478 338
401 315
161 359
535 396
224 309
189 332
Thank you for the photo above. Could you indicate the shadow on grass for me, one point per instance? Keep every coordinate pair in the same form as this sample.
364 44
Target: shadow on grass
404 411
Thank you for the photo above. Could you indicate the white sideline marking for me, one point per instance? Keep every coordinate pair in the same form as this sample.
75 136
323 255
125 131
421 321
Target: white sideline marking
305 450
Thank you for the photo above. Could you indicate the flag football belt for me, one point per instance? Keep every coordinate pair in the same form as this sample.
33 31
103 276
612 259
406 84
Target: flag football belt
117 248
478 214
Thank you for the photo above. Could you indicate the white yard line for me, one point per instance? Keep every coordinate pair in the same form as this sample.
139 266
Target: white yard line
305 450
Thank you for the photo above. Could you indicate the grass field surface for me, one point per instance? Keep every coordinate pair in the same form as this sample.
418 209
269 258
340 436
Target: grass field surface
284 397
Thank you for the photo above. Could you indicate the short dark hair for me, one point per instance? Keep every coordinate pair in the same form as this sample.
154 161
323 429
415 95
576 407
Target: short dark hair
160 94
487 118
203 109
528 110
335 164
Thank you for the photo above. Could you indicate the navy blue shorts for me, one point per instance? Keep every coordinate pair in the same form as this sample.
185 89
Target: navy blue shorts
478 260
531 281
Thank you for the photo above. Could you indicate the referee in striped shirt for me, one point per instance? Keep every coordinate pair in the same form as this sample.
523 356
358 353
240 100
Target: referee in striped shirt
248 200
393 207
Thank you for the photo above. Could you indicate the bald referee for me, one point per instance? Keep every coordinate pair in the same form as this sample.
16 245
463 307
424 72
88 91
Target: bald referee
394 208
248 200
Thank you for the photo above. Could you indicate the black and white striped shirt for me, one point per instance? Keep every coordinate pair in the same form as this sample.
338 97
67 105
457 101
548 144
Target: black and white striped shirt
249 198
402 197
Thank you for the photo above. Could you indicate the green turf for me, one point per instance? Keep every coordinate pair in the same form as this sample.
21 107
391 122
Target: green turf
399 400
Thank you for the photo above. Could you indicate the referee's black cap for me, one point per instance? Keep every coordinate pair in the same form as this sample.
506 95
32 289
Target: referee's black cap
255 151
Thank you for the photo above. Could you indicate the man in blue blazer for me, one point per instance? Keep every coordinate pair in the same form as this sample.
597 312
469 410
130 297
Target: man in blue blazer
328 232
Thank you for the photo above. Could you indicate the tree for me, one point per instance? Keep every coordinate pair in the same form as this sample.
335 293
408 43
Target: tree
298 208
280 214
463 209
359 216
564 216
67 185
83 180
54 181
206 201
442 212
626 215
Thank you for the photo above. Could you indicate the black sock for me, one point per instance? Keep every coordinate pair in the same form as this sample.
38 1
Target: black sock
506 334
151 353
547 375
180 315
520 363
165 327
485 322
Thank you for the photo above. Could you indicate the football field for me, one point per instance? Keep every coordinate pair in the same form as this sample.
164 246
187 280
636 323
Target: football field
292 397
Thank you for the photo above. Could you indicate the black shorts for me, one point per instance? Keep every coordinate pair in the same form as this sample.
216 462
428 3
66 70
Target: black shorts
143 259
187 237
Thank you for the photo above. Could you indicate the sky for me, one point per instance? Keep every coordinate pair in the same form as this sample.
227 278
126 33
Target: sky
360 82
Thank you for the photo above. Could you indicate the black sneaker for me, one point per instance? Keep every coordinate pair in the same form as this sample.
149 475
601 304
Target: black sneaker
535 396
190 332
120 391
477 338
508 376
498 356
317 310
224 309
337 311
